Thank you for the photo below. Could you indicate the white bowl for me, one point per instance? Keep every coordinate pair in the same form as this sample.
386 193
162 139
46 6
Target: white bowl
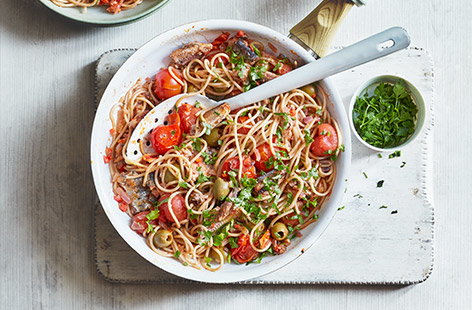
145 63
369 86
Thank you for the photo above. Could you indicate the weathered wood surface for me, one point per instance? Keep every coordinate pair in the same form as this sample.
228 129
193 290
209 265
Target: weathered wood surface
380 248
46 192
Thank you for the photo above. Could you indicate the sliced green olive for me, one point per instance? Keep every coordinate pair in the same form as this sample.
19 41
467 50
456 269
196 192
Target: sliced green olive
169 176
213 137
220 189
162 238
279 231
310 90
191 89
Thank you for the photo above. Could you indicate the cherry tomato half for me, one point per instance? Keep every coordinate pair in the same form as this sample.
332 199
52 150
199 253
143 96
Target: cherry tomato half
244 252
243 130
164 137
232 163
265 154
165 86
325 141
178 207
188 117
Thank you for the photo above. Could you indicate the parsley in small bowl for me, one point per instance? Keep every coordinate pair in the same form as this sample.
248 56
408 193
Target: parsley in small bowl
386 112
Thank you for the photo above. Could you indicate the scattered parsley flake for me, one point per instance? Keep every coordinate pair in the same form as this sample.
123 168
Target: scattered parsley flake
383 207
395 154
341 208
403 164
380 183
177 254
365 175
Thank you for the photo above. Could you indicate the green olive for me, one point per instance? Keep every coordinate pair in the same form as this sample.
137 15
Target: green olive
162 238
279 231
191 88
169 176
310 90
213 137
220 189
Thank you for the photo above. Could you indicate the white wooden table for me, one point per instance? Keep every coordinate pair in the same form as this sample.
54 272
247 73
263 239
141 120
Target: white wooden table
46 192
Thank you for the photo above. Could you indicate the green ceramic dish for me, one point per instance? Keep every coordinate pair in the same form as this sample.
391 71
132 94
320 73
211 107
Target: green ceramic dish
100 17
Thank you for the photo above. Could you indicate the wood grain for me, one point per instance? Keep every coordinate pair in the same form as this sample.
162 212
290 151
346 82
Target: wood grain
317 29
46 84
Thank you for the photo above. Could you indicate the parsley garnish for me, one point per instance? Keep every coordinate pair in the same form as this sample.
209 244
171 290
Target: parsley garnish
202 178
197 144
177 254
180 147
380 183
395 154
387 118
184 185
308 137
365 175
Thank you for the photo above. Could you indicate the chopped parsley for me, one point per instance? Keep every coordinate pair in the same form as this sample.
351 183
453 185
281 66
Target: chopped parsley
177 254
383 207
197 144
365 175
403 164
341 208
180 147
202 178
207 127
387 118
380 183
308 137
184 185
379 155
395 154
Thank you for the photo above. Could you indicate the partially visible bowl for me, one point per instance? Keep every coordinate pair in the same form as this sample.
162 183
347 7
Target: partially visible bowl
369 86
100 17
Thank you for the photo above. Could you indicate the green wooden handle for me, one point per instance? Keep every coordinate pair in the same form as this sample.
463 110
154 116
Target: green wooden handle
319 27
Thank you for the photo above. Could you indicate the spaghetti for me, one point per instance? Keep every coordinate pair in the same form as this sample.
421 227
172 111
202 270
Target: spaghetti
114 6
235 190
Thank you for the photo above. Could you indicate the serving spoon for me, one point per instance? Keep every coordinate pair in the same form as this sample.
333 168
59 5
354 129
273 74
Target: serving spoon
371 48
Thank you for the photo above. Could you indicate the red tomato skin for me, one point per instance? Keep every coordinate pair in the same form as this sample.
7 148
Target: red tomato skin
244 252
232 163
284 68
188 118
265 155
220 40
243 130
323 143
139 224
163 138
165 86
178 207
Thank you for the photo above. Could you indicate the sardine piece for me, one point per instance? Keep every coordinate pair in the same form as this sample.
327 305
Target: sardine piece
189 52
226 213
213 117
241 47
141 198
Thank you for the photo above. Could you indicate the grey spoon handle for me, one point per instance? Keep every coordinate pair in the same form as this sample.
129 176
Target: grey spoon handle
374 47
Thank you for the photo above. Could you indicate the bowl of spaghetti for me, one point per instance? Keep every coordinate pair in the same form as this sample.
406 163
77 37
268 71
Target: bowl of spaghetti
104 12
235 200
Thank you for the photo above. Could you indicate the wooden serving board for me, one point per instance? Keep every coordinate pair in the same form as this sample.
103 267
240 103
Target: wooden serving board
365 243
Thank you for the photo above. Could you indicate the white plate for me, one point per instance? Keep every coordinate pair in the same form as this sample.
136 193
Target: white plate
99 16
145 63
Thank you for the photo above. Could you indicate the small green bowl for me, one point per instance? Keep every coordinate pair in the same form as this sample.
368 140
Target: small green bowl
369 86
98 16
